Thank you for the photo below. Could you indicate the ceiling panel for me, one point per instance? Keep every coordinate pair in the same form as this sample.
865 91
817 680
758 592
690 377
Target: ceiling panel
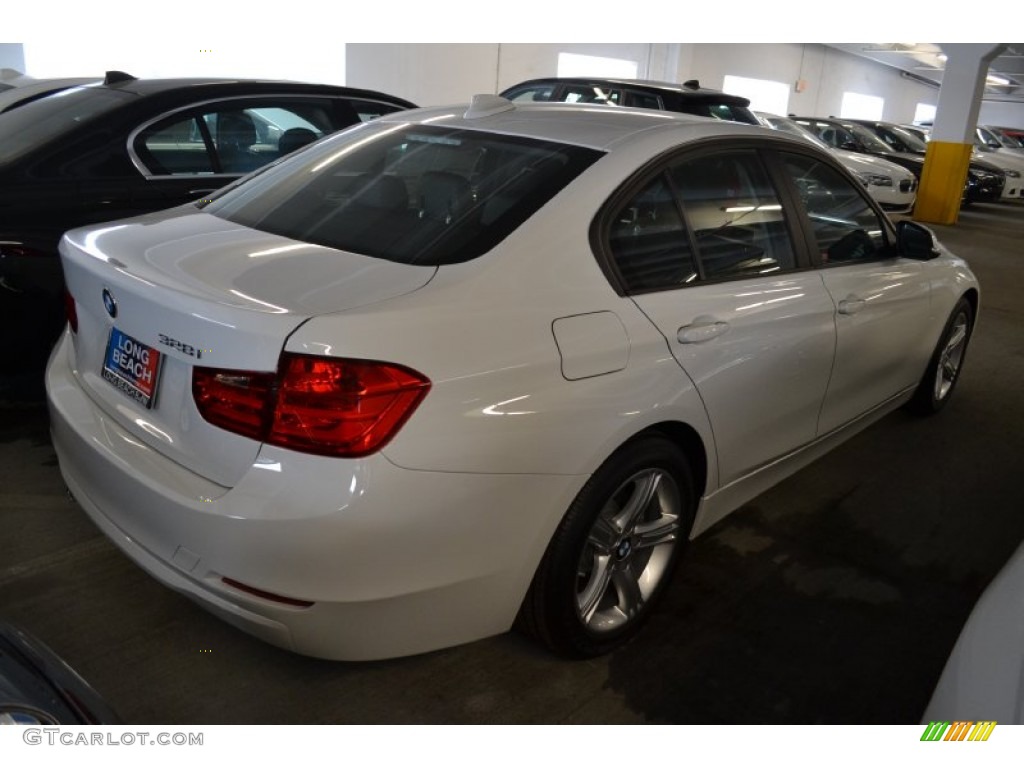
926 61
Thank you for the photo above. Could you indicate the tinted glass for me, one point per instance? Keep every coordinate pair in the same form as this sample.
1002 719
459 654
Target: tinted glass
794 129
411 194
735 215
649 242
725 112
591 94
900 139
370 110
531 93
176 148
845 225
643 100
232 137
867 138
39 122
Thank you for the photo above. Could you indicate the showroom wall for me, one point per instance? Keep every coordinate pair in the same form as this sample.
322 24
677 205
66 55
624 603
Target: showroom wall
12 56
439 73
434 73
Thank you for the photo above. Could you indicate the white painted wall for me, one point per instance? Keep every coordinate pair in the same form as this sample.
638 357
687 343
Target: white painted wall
439 73
1001 113
434 73
12 56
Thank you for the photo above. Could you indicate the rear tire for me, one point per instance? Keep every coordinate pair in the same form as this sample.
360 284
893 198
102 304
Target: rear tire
943 372
614 552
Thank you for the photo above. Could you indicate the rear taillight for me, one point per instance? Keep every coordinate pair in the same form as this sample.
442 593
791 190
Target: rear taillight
238 401
70 310
322 405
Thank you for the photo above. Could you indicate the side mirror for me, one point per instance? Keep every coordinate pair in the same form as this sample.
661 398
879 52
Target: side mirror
995 144
914 241
850 146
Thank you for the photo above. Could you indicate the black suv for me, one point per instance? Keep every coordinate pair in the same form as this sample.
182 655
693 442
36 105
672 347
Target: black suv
125 147
689 97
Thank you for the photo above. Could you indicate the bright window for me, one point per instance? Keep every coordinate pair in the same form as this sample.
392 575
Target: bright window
861 106
577 65
765 95
925 113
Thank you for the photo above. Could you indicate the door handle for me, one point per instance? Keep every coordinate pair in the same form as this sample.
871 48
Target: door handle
703 328
851 305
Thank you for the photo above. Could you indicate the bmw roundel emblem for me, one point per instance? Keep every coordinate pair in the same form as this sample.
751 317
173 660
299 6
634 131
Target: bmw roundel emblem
108 302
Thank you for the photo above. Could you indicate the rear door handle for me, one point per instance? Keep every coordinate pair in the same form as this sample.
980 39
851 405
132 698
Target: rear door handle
703 328
851 305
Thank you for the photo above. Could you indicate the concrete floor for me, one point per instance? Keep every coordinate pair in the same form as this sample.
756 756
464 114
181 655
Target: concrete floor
833 598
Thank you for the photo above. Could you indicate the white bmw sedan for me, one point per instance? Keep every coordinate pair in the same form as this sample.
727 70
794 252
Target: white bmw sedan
460 369
892 186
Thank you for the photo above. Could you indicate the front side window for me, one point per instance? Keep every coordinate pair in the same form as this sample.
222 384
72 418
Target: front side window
414 194
846 227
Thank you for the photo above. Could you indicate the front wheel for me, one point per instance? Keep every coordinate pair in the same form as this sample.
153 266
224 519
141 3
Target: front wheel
614 551
943 372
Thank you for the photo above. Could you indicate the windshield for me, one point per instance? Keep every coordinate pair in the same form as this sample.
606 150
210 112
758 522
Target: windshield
870 141
901 139
788 126
414 194
1008 141
37 123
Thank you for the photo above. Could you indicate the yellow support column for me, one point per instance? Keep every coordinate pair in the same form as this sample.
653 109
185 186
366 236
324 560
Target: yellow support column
942 182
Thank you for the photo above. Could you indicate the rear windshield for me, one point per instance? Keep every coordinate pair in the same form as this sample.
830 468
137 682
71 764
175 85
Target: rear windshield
413 194
40 122
720 111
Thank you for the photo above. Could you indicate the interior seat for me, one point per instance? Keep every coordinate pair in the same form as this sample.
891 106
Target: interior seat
294 138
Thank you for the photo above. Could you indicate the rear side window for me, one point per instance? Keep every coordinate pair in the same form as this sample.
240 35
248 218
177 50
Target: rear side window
411 194
708 218
592 94
531 93
643 100
649 241
231 137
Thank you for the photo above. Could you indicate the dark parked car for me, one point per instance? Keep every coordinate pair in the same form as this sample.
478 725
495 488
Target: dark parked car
38 688
984 181
126 147
31 90
689 97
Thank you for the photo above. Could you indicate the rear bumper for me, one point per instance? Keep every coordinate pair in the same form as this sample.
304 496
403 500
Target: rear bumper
395 561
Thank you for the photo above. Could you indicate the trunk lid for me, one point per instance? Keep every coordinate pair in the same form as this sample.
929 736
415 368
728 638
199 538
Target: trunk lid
200 291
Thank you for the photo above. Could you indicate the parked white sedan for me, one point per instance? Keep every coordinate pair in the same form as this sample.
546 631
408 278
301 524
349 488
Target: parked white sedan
456 369
892 186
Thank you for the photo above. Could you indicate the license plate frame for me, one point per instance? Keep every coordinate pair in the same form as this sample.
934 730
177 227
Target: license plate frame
131 367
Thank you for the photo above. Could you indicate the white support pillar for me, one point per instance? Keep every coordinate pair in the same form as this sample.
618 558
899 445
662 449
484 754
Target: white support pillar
952 140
